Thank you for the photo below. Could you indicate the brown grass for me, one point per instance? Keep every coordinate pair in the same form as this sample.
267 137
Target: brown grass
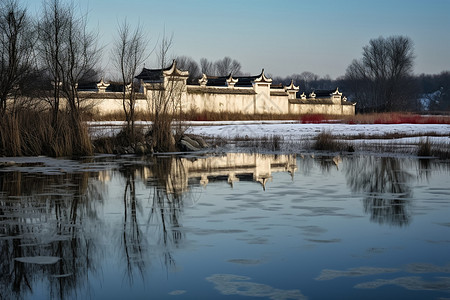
395 118
392 135
227 116
30 133
371 118
325 141
269 143
115 116
427 148
424 148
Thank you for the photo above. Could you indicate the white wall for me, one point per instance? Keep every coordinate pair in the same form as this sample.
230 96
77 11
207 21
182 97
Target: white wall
246 100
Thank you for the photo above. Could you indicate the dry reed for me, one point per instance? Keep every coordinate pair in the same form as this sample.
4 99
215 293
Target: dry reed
31 133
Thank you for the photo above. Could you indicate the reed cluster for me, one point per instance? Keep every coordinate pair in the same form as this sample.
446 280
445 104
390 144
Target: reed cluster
32 133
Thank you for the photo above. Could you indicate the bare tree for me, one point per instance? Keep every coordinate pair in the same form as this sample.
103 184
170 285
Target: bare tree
382 77
227 66
129 52
166 102
221 67
307 80
207 67
67 52
16 51
188 64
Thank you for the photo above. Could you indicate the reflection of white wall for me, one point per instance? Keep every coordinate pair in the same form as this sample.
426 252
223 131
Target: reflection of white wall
259 167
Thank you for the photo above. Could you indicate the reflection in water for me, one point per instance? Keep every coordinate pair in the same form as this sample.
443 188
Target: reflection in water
45 219
132 234
177 174
167 204
53 234
386 185
42 217
165 179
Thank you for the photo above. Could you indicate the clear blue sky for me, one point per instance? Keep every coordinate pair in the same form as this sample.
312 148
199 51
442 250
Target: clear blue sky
284 37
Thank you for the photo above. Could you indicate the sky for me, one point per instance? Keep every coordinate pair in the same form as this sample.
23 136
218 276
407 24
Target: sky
283 37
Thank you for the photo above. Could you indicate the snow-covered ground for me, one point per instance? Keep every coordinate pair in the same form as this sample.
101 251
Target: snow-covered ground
297 131
363 136
292 131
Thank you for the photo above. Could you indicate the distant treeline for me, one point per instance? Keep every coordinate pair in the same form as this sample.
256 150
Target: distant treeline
382 80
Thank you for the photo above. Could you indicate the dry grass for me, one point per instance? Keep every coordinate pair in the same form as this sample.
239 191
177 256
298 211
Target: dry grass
115 116
392 135
371 118
427 148
325 141
268 143
30 133
374 118
424 148
227 116
395 118
441 150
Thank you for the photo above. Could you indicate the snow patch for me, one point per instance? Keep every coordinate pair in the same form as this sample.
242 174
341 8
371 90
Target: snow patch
39 260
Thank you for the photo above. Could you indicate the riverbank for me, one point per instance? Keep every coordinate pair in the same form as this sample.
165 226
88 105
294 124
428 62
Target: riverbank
292 136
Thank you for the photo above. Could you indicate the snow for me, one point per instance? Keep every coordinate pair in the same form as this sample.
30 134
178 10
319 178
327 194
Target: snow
48 165
295 131
39 260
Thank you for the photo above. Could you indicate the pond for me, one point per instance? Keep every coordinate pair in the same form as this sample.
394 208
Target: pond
229 226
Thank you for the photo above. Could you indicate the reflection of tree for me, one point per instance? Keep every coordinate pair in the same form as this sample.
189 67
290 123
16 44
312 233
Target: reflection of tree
166 203
386 186
327 163
306 165
424 168
132 233
42 216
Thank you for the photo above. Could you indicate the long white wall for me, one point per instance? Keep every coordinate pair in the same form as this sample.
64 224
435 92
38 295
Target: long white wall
259 99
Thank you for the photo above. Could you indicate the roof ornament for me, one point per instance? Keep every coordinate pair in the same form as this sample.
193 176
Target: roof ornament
262 78
337 93
101 86
204 80
231 81
303 96
292 87
312 95
172 70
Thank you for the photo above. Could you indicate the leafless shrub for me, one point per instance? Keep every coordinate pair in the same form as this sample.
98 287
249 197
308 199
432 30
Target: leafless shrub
325 141
165 105
16 52
67 52
129 52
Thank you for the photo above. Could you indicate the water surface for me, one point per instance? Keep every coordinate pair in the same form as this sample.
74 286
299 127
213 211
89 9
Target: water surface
232 226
